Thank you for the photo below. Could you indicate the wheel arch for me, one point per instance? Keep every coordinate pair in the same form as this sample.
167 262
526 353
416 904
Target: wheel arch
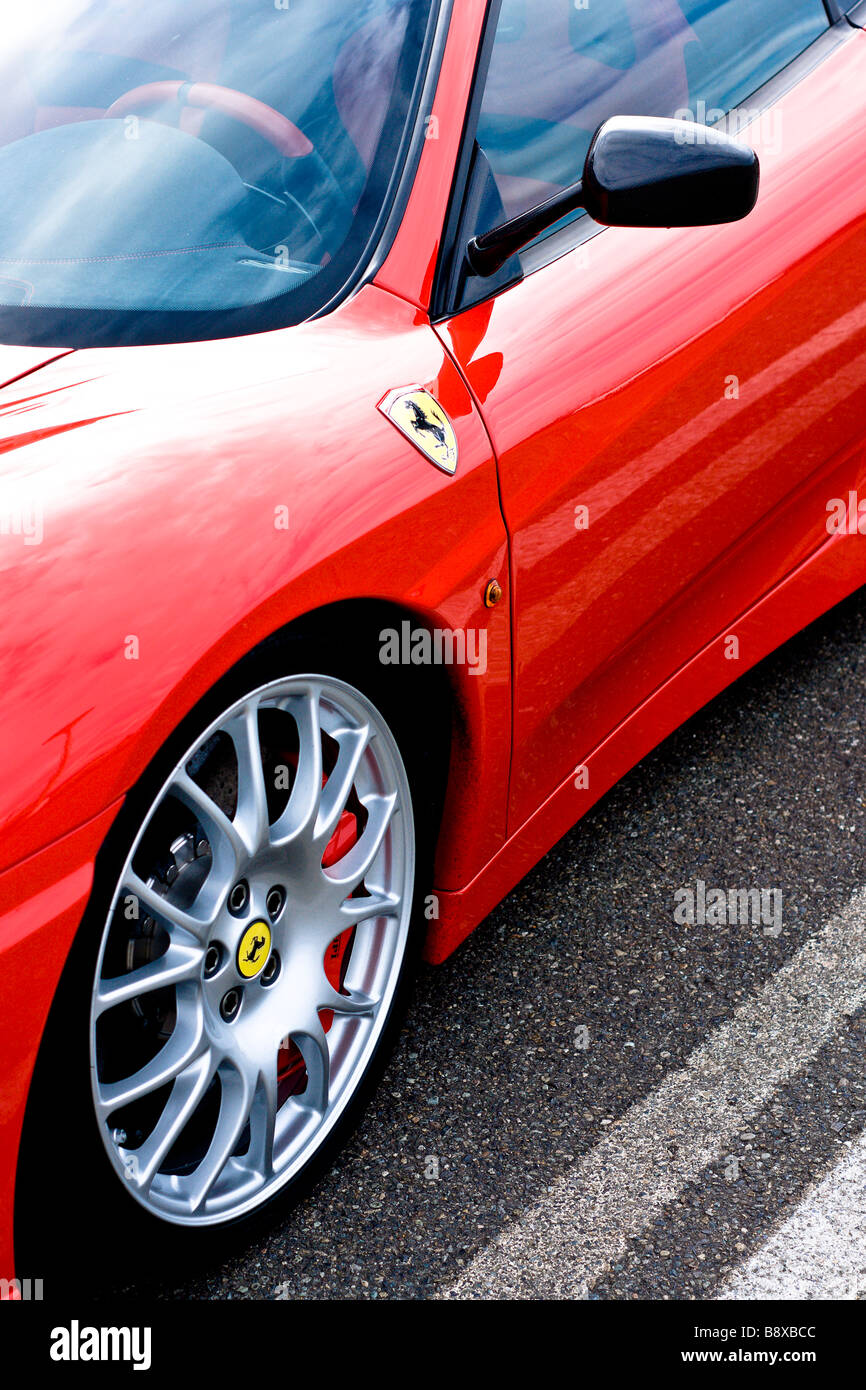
340 638
287 650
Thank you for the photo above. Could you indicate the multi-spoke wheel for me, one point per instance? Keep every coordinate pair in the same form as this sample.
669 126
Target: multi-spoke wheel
252 949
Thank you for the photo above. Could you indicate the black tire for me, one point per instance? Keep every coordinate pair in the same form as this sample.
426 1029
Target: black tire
102 1237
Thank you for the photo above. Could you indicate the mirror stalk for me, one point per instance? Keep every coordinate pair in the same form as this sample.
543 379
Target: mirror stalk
488 253
640 171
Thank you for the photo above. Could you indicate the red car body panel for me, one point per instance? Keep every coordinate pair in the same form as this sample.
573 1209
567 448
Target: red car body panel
111 432
18 362
161 465
250 425
826 578
604 381
49 893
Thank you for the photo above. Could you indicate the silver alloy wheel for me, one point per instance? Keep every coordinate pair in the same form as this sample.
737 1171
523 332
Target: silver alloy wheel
212 966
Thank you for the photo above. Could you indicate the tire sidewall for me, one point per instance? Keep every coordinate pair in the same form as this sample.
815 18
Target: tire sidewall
98 1225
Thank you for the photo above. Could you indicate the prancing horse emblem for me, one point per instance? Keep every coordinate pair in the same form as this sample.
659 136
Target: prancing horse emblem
258 944
421 418
254 948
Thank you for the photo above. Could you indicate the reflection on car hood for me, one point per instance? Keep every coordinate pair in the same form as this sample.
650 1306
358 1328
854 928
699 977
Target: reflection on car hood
16 362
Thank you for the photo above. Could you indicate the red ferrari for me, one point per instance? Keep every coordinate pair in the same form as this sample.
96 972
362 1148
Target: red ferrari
411 413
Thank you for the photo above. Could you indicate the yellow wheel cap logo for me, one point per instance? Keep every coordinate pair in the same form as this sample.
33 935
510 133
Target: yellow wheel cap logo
254 949
423 421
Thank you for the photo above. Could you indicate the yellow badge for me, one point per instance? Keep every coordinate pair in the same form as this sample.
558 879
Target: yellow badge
423 421
254 949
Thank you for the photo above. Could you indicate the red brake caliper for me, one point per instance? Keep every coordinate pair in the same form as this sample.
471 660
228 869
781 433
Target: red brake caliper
291 1071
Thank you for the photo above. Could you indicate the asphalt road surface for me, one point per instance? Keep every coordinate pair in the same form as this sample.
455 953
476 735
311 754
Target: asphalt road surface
593 1100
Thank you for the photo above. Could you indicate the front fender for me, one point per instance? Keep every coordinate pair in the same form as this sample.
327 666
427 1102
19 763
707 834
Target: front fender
191 500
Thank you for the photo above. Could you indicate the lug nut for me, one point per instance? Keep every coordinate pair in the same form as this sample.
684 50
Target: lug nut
239 897
202 848
271 970
274 903
212 960
230 1005
119 1136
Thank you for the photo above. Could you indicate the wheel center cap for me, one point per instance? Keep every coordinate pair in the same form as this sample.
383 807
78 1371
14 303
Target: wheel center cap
254 949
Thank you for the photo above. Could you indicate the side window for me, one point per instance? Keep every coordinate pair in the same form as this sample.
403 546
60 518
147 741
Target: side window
561 67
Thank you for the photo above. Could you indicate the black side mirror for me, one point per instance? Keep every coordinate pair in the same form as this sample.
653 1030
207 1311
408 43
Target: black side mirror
644 172
641 171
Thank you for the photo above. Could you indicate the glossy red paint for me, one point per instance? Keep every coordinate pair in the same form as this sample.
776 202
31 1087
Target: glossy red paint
599 381
41 904
824 579
411 263
682 479
249 426
18 362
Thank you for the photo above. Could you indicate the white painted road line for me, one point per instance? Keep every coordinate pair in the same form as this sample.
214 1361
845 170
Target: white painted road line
585 1221
820 1251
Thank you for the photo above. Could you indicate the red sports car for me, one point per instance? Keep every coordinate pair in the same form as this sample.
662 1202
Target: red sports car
411 413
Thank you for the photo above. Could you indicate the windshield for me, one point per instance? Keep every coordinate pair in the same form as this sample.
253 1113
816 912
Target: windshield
181 169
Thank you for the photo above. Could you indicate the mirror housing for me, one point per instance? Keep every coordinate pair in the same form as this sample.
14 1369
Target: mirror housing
640 171
647 172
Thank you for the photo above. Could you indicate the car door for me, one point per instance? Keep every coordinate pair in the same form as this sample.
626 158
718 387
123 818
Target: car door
671 409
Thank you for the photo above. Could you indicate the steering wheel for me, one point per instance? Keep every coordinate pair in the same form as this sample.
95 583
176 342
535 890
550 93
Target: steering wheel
285 137
277 129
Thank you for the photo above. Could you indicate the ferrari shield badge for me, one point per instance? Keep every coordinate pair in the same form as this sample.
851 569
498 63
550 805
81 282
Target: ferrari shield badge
424 423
